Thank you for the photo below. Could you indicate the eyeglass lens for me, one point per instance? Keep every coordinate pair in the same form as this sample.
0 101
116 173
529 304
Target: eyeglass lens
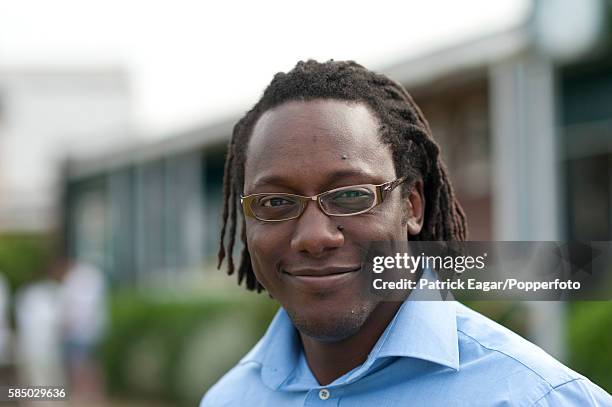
349 200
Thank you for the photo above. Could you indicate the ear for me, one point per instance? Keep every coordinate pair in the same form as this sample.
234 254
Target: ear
415 208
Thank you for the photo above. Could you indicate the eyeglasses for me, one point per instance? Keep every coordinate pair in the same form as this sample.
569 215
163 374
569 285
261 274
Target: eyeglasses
345 201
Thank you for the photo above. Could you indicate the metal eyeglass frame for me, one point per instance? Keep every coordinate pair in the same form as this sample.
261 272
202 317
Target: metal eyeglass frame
380 192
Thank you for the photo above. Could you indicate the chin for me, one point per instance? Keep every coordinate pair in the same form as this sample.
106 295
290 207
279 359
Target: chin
330 326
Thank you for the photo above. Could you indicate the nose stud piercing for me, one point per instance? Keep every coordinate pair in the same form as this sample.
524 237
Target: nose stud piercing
340 227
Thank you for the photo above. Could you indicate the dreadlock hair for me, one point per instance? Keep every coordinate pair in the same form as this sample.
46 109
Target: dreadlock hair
402 126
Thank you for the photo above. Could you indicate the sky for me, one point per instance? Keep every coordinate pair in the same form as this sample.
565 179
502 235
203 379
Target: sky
196 62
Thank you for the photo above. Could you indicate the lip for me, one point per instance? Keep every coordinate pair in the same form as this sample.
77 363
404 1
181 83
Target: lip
321 279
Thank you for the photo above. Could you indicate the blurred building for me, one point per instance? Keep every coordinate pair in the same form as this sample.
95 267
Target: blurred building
523 117
46 113
149 213
525 123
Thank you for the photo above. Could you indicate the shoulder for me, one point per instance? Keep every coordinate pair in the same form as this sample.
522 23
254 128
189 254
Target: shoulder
578 392
482 337
499 355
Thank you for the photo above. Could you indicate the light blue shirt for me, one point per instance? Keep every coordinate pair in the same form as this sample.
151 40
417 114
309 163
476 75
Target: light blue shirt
433 353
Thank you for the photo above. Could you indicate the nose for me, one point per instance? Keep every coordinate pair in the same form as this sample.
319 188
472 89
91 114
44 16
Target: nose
315 233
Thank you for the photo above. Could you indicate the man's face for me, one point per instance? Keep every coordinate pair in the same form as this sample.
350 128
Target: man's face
310 266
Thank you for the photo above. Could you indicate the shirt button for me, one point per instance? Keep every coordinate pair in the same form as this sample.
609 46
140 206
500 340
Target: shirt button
324 394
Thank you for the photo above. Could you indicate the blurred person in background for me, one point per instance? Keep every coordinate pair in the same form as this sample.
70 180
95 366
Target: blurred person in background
331 157
5 331
38 316
82 303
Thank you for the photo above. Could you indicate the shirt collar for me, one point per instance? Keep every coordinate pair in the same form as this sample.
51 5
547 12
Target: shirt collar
423 330
424 327
278 351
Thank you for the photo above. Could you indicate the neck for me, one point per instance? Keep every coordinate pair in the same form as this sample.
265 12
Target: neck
330 360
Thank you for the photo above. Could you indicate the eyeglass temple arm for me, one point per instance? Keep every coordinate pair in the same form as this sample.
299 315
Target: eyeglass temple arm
386 188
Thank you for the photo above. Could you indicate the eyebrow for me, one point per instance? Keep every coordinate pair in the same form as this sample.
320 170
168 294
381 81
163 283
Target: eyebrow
280 180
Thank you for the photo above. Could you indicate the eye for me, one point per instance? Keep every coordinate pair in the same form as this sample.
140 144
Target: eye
275 201
351 193
349 200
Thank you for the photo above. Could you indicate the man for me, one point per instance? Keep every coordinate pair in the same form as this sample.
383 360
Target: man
332 157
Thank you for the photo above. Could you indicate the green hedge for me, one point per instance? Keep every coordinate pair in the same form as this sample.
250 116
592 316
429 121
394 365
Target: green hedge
174 350
23 257
590 341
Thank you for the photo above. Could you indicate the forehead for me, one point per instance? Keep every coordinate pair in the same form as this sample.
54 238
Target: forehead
304 142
